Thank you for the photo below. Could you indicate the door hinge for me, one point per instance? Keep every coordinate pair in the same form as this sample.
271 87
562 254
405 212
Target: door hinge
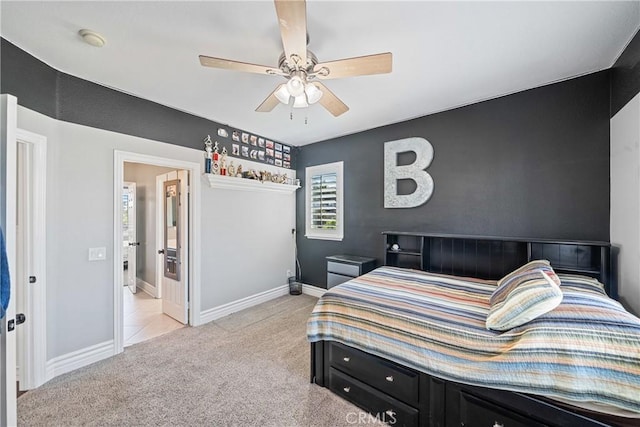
19 320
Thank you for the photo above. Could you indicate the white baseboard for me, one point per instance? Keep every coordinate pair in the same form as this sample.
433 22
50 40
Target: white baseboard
147 287
86 356
314 291
234 306
80 358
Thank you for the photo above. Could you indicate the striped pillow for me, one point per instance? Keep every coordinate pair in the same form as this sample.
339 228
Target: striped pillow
522 295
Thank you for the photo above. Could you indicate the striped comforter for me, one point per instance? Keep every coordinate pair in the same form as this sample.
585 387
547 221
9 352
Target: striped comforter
586 350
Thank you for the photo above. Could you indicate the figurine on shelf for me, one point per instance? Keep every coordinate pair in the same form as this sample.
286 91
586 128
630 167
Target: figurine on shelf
239 171
223 161
208 154
265 176
231 170
215 164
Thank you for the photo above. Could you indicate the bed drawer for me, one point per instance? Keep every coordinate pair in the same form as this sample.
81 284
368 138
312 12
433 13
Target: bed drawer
392 379
379 405
474 411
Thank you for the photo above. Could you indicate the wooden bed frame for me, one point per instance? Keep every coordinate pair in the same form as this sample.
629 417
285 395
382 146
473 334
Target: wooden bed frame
402 396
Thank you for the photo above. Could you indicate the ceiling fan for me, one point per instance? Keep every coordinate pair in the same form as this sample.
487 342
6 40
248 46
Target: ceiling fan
301 67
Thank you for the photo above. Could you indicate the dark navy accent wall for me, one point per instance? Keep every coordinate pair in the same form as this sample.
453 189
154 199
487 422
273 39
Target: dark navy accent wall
89 104
46 90
42 88
32 80
625 76
532 164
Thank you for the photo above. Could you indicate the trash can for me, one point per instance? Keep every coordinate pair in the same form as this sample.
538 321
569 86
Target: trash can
295 287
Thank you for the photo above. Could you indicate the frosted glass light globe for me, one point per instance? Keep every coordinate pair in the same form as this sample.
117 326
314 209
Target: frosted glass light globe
295 85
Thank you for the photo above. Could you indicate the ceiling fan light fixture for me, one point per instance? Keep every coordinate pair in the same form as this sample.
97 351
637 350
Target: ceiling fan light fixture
282 93
313 93
300 101
298 65
296 85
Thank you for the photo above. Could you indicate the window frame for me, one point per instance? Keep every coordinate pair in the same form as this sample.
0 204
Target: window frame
328 168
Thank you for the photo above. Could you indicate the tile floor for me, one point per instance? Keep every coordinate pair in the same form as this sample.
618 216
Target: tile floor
143 318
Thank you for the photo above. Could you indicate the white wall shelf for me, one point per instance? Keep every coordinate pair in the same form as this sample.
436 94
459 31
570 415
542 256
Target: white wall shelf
243 184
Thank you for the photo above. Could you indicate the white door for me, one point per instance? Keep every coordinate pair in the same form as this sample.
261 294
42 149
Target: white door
8 125
129 235
172 230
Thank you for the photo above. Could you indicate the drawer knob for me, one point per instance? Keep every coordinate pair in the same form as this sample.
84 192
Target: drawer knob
347 389
497 424
346 359
389 378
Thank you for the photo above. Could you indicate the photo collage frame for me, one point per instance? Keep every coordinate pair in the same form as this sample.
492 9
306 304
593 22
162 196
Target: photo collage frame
246 145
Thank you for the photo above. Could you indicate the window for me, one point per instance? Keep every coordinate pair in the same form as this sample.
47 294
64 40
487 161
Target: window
324 202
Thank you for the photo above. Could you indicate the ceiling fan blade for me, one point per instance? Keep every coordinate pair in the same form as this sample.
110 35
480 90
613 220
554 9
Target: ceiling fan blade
269 103
359 66
228 64
292 17
331 102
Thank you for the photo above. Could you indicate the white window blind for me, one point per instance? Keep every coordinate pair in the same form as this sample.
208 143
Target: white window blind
324 202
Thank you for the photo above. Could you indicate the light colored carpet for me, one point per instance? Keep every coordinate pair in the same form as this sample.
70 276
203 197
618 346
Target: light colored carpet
248 369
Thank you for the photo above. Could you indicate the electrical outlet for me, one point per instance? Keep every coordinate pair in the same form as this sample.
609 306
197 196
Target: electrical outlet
97 254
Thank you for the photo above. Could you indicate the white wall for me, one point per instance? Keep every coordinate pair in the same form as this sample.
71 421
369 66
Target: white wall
625 199
246 237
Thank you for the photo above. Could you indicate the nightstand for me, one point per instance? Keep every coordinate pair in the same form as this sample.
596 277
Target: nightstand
341 268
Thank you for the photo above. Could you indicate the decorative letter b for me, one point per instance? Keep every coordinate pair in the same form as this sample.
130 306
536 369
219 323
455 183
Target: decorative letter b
415 171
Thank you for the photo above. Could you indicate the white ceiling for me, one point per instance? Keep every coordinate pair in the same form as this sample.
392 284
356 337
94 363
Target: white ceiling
445 54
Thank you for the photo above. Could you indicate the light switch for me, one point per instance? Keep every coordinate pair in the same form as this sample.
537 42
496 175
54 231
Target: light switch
97 254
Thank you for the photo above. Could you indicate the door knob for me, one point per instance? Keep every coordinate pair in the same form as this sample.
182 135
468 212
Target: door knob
20 319
161 251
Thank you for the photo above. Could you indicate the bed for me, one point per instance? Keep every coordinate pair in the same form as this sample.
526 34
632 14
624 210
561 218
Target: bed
412 345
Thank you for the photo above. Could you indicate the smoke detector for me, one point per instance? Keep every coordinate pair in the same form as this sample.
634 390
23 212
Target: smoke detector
92 38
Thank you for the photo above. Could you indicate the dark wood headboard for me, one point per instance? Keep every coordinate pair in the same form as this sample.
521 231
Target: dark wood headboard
494 257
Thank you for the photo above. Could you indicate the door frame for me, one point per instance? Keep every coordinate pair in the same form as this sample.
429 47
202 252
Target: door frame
132 263
194 169
8 156
34 359
159 232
